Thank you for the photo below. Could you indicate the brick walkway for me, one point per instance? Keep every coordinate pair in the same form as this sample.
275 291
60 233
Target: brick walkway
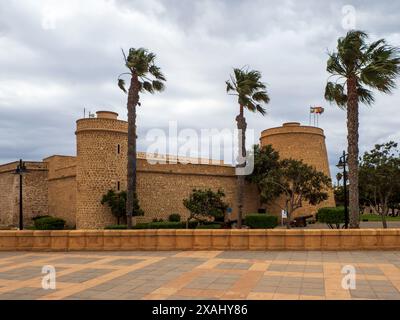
200 275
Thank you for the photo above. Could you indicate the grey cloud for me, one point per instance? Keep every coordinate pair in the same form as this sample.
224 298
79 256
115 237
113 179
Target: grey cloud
48 76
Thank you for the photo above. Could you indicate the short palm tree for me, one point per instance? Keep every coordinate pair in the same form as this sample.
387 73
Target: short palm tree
250 91
144 76
358 67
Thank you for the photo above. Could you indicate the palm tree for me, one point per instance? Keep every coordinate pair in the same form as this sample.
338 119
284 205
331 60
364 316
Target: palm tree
339 177
250 91
358 67
145 76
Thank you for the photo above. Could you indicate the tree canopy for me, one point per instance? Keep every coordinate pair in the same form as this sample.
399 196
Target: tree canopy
375 66
141 63
380 177
291 179
250 91
205 205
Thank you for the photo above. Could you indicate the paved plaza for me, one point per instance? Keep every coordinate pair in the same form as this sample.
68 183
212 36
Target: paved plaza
198 275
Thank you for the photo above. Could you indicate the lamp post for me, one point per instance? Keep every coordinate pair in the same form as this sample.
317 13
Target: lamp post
342 165
20 170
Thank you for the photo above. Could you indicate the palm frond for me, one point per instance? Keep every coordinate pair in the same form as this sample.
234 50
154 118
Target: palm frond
158 85
249 88
365 96
229 86
375 65
261 96
148 86
141 64
121 85
335 93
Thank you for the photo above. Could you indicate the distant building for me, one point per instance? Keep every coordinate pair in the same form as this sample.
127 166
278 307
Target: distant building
71 187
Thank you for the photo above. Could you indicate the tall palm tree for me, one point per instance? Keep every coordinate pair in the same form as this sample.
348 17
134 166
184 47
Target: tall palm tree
358 67
250 91
144 76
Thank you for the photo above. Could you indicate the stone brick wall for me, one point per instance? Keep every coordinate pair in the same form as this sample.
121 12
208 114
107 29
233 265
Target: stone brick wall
302 143
264 240
62 188
8 195
34 193
162 188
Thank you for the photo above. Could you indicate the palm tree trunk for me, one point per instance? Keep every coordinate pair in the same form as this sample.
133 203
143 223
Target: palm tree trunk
241 125
133 99
352 140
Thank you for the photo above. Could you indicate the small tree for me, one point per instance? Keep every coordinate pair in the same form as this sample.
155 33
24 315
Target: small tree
291 179
205 205
117 203
380 177
297 182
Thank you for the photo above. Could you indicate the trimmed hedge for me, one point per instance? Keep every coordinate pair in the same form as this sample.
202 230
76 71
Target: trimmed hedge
209 226
49 223
160 225
165 225
116 227
40 217
175 217
261 221
331 216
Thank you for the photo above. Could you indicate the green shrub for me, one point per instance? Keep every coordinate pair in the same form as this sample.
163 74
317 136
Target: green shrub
40 217
261 221
331 216
49 223
175 217
160 225
192 224
158 220
116 227
209 226
166 225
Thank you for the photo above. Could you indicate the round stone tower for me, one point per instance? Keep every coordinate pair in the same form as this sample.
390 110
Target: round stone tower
304 143
101 166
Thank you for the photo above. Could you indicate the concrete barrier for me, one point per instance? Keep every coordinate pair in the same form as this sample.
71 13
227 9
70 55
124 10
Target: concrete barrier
151 240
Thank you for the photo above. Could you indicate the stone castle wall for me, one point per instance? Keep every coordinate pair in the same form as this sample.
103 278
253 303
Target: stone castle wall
161 188
62 188
72 187
34 193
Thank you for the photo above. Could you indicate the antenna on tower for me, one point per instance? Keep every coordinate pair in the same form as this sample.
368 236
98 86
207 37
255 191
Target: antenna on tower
84 112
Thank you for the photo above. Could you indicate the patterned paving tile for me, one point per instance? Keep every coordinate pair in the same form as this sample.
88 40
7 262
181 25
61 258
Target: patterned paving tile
236 266
21 274
83 275
124 262
201 275
74 260
24 294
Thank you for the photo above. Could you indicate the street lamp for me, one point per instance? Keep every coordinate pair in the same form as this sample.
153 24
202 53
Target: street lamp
20 170
342 165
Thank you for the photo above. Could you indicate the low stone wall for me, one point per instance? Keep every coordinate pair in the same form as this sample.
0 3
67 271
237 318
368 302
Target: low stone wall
92 240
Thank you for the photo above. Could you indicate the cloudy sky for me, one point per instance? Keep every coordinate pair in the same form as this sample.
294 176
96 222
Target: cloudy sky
58 57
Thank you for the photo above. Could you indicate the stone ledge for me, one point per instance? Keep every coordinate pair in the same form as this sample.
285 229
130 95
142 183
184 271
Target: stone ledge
122 240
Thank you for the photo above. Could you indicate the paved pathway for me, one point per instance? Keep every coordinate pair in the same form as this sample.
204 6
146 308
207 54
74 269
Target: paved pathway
200 275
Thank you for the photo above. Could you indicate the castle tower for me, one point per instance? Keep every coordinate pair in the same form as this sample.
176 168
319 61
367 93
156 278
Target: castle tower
101 166
304 143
